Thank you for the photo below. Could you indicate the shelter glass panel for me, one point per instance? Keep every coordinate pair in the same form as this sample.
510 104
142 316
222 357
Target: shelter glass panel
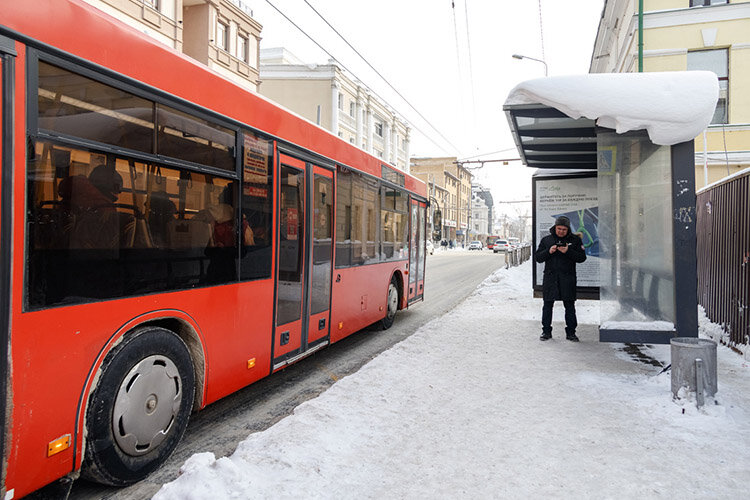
635 233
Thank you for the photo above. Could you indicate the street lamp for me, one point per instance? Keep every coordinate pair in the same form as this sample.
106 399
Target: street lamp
519 56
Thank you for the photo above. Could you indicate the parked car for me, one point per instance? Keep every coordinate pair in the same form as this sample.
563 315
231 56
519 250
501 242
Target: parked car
475 245
430 247
501 246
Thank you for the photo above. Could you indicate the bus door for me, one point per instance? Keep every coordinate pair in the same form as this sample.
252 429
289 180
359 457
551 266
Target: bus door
416 250
304 260
7 75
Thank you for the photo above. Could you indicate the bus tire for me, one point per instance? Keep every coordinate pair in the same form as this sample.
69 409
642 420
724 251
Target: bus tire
391 305
140 408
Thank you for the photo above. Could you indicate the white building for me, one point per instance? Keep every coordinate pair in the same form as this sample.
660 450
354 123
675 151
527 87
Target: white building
481 212
324 94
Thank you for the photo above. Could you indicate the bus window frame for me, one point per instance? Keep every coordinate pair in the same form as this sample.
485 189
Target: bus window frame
380 184
154 95
105 77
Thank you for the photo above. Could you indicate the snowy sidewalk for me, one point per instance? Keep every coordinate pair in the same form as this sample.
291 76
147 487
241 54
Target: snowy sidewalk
473 405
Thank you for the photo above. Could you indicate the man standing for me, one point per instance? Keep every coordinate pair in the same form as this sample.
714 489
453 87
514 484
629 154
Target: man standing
560 251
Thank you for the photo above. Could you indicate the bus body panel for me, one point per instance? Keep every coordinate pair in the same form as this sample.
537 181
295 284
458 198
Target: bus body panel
40 339
360 295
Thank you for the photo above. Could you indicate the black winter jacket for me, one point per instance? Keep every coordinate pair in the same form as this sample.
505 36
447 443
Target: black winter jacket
559 281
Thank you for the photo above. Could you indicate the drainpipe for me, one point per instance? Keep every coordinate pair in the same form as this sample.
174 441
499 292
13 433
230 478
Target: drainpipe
640 36
705 159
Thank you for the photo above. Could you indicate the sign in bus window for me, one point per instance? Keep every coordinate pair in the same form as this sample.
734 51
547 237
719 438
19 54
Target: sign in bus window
257 183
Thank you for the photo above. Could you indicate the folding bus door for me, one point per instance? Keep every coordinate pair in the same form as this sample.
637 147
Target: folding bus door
321 257
304 261
416 250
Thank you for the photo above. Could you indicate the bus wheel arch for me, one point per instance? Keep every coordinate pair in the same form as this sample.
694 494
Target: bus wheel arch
394 298
188 333
139 405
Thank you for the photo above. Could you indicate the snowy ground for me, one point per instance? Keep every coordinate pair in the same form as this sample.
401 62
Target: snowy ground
474 405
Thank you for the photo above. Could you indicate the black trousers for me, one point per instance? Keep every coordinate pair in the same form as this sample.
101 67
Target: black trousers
571 322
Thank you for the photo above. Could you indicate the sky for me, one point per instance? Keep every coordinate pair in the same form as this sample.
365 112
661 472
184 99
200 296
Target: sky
456 78
473 405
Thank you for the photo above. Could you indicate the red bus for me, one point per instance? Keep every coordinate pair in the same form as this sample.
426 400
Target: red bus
167 238
491 241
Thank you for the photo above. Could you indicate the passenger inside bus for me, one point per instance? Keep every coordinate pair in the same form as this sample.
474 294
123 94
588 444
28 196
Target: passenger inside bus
161 215
221 218
98 224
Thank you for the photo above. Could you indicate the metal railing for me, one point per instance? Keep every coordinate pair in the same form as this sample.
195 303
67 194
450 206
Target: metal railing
723 225
517 256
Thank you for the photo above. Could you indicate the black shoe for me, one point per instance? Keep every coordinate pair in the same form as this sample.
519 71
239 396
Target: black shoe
545 336
572 337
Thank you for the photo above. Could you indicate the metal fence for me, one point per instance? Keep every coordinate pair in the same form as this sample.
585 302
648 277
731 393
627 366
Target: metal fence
723 224
517 255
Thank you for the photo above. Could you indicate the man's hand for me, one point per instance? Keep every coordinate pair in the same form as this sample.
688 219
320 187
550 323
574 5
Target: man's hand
563 248
553 249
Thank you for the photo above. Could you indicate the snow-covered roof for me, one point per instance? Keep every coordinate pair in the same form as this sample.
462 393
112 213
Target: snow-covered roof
672 106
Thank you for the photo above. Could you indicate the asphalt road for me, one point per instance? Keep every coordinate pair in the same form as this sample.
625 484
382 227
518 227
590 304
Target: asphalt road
449 278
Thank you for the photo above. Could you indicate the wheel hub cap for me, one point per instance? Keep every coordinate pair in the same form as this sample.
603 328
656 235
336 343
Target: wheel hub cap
146 405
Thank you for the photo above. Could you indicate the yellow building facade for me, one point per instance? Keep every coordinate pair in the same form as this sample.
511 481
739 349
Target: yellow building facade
451 184
681 35
221 34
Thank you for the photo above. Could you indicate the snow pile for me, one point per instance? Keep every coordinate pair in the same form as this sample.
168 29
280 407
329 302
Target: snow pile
673 106
473 405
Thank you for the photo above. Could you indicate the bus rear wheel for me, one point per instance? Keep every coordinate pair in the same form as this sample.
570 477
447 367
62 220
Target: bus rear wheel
392 300
140 408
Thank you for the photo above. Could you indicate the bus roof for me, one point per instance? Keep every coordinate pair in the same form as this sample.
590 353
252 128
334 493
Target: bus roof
78 29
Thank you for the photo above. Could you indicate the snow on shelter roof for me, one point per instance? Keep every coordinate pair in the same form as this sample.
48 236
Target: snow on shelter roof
553 119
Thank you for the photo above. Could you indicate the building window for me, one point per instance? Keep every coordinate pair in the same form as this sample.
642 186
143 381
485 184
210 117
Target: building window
352 109
718 62
701 3
222 30
154 4
242 45
341 101
379 129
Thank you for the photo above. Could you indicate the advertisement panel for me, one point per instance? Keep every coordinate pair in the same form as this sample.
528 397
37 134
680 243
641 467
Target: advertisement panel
575 196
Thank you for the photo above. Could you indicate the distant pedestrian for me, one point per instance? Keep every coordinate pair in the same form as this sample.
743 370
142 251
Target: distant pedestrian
444 244
560 251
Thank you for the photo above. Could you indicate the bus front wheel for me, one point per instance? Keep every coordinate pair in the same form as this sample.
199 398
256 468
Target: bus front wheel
391 304
139 410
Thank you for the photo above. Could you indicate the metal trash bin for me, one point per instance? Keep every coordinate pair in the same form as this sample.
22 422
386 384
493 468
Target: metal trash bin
694 367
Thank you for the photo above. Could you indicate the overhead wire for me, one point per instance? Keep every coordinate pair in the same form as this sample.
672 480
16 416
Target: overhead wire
459 69
471 68
487 154
380 75
428 136
541 29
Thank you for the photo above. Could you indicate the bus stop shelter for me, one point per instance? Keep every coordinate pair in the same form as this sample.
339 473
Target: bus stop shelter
635 132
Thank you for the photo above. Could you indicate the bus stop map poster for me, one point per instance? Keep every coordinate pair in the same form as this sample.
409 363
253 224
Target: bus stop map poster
575 196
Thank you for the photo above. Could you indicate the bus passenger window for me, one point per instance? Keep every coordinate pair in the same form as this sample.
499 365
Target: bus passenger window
101 226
